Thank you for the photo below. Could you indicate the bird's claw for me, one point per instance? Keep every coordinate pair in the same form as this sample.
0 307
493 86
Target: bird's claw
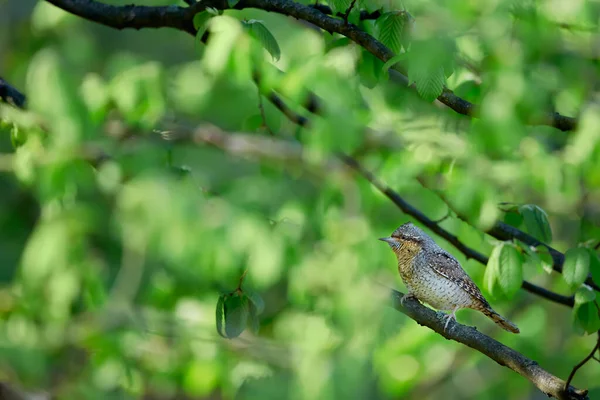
407 296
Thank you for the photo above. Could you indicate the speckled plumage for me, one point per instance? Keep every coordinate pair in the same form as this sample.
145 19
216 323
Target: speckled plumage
435 277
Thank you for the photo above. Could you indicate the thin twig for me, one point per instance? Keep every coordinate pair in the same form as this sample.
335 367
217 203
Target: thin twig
262 114
583 362
347 13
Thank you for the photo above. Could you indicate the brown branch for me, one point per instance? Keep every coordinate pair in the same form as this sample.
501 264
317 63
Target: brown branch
503 355
138 17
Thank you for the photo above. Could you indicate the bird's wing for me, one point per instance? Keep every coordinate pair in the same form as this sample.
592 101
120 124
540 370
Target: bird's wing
449 267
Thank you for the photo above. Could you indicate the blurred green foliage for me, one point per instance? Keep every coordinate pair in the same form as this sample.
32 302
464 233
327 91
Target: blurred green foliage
119 278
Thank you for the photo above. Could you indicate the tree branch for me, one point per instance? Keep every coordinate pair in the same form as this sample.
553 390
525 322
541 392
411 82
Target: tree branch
503 355
10 95
505 232
583 362
138 17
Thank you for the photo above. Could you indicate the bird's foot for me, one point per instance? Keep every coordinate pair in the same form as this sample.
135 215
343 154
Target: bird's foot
407 296
448 317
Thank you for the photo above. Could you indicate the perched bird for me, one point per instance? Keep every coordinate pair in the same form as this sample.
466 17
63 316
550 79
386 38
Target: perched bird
434 276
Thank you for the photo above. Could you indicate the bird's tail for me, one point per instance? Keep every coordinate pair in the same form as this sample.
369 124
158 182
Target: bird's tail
500 320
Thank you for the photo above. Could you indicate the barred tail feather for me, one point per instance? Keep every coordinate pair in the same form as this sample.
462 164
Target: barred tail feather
500 320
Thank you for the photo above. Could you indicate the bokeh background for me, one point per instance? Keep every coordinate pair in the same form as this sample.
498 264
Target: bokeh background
110 275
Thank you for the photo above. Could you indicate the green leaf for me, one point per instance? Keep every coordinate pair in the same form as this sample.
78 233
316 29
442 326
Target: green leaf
393 61
584 295
430 82
260 32
220 314
340 6
545 258
236 315
430 61
257 301
253 321
253 122
536 222
369 69
576 267
200 25
510 276
471 91
586 317
17 136
390 26
594 266
232 3
492 272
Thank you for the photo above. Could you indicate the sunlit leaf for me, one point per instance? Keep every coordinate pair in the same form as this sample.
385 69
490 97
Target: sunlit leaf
576 267
584 295
220 315
492 272
510 273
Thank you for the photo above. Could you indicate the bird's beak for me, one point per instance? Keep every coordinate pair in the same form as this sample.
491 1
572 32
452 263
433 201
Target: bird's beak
389 240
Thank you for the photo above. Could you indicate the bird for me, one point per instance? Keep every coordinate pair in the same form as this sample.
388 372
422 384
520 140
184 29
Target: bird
434 276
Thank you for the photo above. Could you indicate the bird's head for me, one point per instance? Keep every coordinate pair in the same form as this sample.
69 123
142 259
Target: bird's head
406 237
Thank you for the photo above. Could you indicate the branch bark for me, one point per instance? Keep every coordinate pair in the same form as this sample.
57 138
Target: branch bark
137 17
503 355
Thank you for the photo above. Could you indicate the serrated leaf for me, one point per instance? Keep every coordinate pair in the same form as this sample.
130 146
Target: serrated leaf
586 317
236 315
492 270
594 266
576 267
430 83
200 25
390 26
219 314
510 272
257 301
536 222
584 295
260 32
